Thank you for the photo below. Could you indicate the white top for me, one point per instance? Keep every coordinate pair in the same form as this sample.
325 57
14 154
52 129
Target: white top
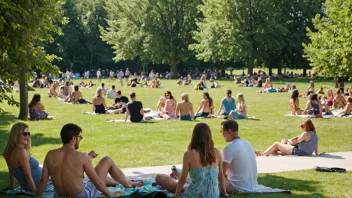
111 94
98 73
67 74
127 73
120 74
111 73
242 173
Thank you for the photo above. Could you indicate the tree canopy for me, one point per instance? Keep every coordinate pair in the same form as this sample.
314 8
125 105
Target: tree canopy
330 51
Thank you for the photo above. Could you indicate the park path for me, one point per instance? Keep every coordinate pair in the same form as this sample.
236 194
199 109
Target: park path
269 164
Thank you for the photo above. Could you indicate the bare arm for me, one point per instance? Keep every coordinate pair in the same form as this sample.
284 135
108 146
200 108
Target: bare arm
24 164
192 113
221 176
184 174
200 106
127 114
221 106
177 111
303 137
308 106
316 150
104 103
293 107
93 105
43 179
89 170
225 168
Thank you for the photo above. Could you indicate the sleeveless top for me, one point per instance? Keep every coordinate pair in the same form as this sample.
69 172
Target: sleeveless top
310 145
204 184
315 107
99 109
36 172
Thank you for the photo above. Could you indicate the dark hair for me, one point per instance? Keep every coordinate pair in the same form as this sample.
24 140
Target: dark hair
203 143
230 125
67 83
228 91
132 94
349 99
76 88
313 97
68 131
209 98
169 92
102 84
35 100
294 95
113 87
118 92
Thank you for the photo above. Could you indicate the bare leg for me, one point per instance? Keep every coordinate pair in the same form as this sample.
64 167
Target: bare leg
166 182
107 165
285 149
229 117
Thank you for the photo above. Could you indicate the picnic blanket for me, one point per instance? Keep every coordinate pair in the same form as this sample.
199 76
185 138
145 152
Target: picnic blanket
146 191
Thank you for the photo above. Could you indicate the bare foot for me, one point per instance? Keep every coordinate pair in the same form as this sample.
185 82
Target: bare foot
258 153
138 183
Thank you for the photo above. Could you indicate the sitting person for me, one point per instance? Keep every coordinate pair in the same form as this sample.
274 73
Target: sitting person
135 110
120 103
36 109
325 107
302 145
77 96
236 80
184 109
310 89
348 109
321 91
206 107
294 104
133 81
339 100
66 167
330 98
227 104
214 83
36 84
287 88
52 91
189 79
168 112
104 90
241 109
259 82
20 164
155 83
180 81
161 104
313 106
111 93
267 86
200 86
99 105
204 164
239 163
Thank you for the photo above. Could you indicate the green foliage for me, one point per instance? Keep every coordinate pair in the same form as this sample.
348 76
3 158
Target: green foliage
155 31
4 95
330 51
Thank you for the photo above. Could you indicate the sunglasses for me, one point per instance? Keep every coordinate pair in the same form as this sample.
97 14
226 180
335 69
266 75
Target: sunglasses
26 133
167 95
80 136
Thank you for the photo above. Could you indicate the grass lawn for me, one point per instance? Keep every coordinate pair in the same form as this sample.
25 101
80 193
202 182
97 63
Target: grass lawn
164 142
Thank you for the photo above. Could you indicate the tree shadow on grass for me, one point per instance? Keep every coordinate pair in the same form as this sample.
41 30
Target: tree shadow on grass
5 120
38 139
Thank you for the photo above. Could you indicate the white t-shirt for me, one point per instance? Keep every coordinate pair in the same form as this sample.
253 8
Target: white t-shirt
111 94
98 74
242 173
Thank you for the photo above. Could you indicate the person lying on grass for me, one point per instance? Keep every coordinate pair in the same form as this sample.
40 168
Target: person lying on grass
302 145
66 167
77 96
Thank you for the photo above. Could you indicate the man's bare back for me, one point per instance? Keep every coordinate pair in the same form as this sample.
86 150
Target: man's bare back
66 167
76 95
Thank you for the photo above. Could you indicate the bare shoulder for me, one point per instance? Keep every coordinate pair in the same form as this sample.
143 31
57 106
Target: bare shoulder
21 152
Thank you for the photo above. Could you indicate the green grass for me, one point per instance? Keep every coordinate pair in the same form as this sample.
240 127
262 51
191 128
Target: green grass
164 142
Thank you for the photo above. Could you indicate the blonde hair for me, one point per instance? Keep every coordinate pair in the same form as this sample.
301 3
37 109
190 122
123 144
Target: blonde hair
12 143
239 98
98 93
184 97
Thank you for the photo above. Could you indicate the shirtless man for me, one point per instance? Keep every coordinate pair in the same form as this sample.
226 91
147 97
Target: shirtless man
77 97
206 108
66 166
184 109
348 109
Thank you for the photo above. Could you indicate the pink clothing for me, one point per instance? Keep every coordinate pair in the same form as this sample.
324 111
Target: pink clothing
170 107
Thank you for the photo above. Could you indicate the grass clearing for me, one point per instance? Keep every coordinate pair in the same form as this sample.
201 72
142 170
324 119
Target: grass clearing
164 142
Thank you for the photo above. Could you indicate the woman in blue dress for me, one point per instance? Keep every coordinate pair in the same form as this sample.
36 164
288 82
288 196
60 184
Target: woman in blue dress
203 162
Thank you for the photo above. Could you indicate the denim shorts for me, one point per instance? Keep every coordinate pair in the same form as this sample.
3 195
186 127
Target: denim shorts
298 152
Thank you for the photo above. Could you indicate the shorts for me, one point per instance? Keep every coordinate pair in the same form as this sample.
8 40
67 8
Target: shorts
186 117
202 114
236 115
89 190
229 187
297 151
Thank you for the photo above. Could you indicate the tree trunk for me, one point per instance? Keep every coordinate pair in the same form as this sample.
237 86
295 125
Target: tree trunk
270 70
23 97
173 67
222 69
250 66
279 70
304 72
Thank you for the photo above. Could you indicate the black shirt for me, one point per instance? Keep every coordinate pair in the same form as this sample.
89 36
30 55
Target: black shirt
124 100
135 111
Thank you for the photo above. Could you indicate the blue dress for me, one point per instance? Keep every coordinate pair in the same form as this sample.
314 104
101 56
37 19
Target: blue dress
204 184
36 172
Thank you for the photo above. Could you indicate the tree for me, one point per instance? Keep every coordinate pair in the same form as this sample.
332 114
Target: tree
330 52
23 25
157 31
246 31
